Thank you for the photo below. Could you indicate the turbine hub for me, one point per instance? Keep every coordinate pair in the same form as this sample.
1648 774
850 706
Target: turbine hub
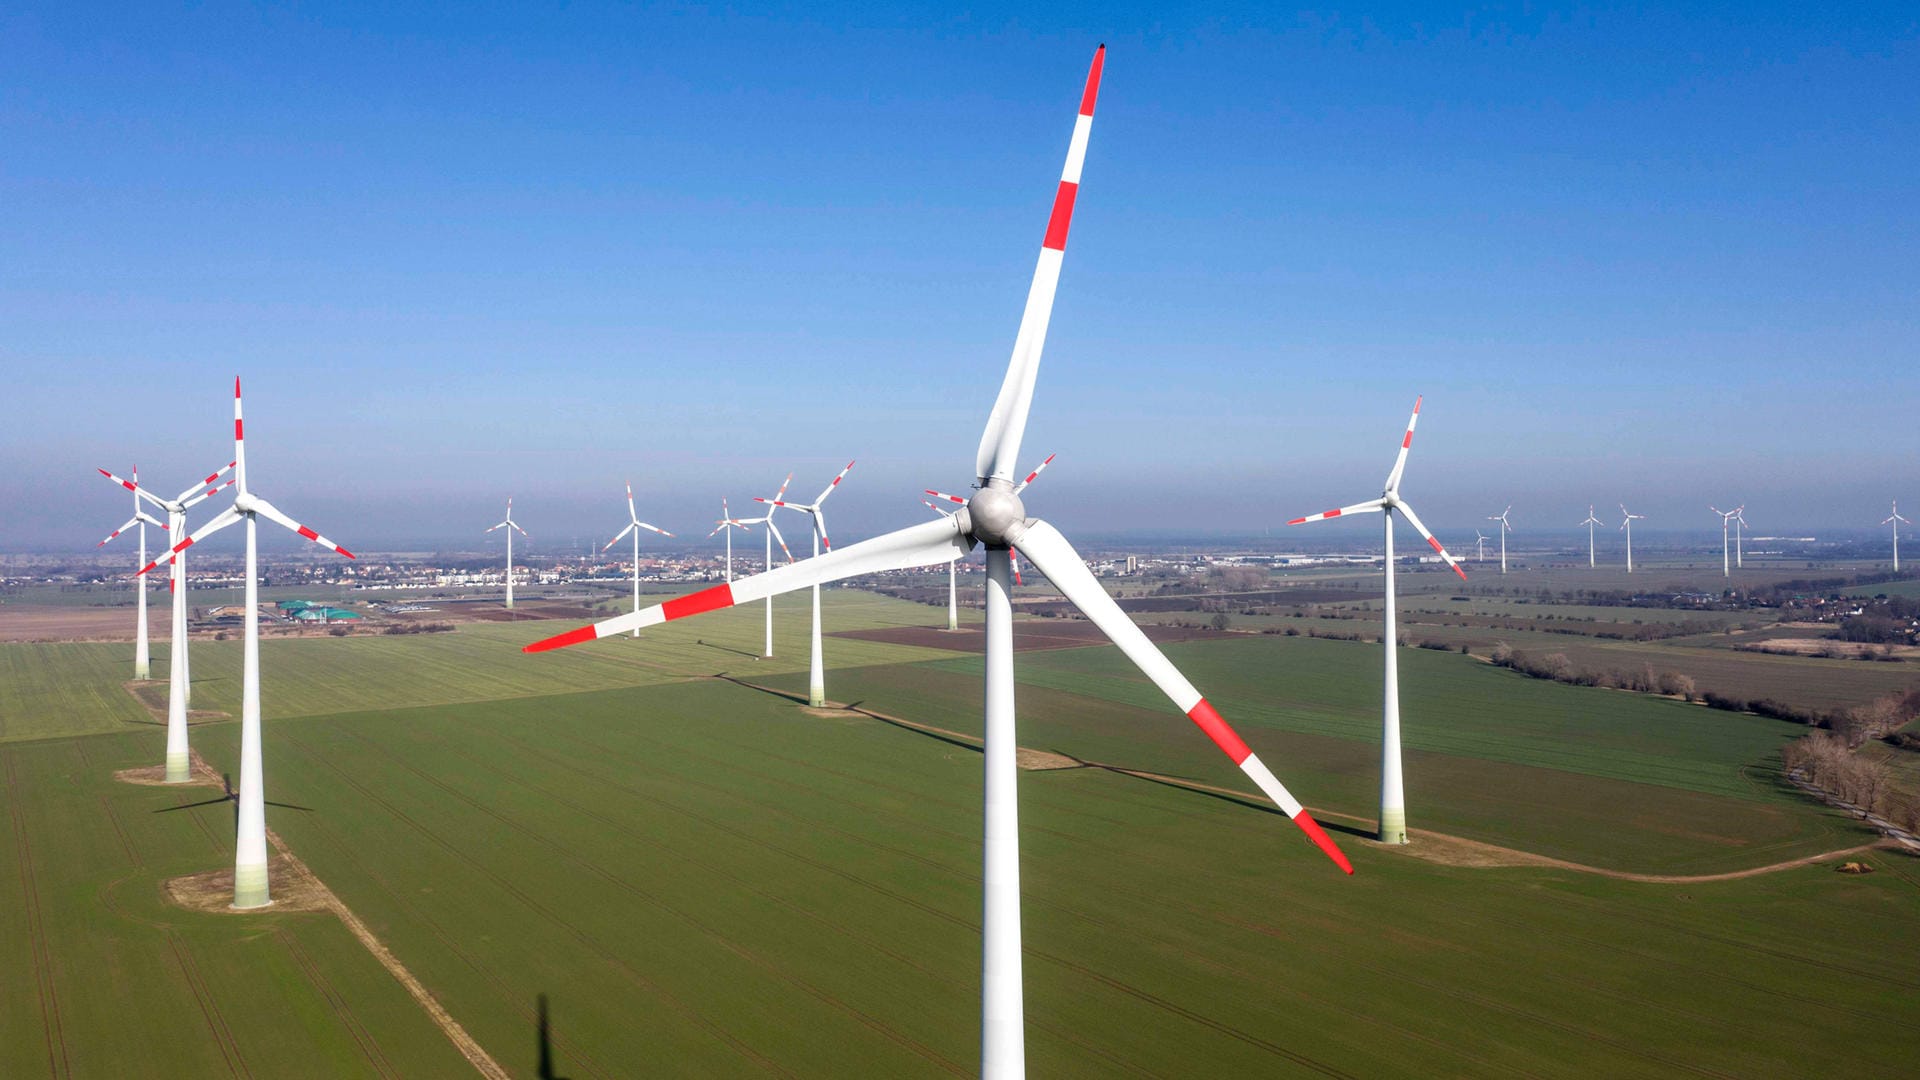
994 513
243 502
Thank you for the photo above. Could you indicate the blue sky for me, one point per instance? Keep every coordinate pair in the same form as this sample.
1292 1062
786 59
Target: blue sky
1664 257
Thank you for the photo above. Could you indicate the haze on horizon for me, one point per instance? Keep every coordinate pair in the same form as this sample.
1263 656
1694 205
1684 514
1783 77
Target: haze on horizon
1651 257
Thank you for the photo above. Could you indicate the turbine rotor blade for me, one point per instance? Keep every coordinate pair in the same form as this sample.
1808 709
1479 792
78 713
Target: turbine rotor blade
944 495
622 535
220 521
1414 520
652 528
211 477
835 484
925 544
1371 506
1053 556
1400 463
1007 423
1034 475
135 520
272 513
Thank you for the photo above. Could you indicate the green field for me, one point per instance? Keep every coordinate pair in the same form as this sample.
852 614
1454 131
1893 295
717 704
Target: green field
705 879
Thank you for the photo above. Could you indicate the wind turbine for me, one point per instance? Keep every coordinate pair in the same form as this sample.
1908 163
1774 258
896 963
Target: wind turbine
773 533
634 528
1739 541
142 666
179 671
512 527
995 516
1626 523
250 841
1480 540
953 592
816 667
953 617
726 524
1726 558
1590 523
1895 521
1505 527
1393 796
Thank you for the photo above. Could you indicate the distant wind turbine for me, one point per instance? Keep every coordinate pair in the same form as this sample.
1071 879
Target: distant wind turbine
1726 549
816 667
1505 526
1627 524
1480 540
634 527
727 524
142 666
1590 523
512 527
1895 521
1739 543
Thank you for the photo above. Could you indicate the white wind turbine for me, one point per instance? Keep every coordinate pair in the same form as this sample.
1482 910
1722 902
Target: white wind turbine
142 664
995 516
1726 518
1626 523
953 614
816 667
1505 527
634 527
1590 523
1393 796
512 527
953 591
1895 521
179 671
1480 541
726 524
250 841
773 533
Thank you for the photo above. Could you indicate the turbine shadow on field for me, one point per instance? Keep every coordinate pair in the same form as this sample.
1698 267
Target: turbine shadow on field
727 648
230 796
546 1046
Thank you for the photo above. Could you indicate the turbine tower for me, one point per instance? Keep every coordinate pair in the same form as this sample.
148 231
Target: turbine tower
726 524
773 533
995 516
816 667
1739 541
250 840
179 671
634 527
512 527
1895 521
1590 523
1626 523
1480 540
953 592
142 665
1393 796
1726 552
1505 527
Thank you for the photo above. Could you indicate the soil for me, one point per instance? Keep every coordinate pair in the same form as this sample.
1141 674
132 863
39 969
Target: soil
293 889
27 623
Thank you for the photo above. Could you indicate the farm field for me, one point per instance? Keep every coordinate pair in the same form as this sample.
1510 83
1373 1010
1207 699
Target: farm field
695 871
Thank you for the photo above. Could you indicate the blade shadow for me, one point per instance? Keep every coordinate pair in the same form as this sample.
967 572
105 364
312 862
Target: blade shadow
727 648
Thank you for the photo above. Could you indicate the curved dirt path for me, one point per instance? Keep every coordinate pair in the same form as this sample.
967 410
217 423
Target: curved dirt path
1442 848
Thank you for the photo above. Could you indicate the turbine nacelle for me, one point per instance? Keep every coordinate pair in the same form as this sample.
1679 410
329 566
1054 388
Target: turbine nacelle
995 516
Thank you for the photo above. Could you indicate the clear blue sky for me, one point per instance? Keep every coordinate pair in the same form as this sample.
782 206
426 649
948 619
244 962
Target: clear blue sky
1656 256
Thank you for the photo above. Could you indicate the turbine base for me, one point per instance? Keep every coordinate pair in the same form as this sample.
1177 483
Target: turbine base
179 768
142 671
1393 826
250 887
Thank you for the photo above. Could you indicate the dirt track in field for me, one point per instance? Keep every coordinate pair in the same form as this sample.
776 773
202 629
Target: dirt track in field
1434 847
23 623
297 888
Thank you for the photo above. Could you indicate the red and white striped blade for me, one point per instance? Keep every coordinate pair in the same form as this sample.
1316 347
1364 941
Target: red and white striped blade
1414 520
782 493
272 513
781 540
632 514
1034 475
1000 443
926 544
133 486
239 439
204 495
1400 463
151 520
820 523
619 536
652 528
208 482
502 525
1371 506
1050 552
835 484
1013 560
944 495
518 529
220 521
949 513
131 522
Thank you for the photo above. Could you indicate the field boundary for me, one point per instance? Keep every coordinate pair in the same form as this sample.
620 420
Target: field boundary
1442 848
